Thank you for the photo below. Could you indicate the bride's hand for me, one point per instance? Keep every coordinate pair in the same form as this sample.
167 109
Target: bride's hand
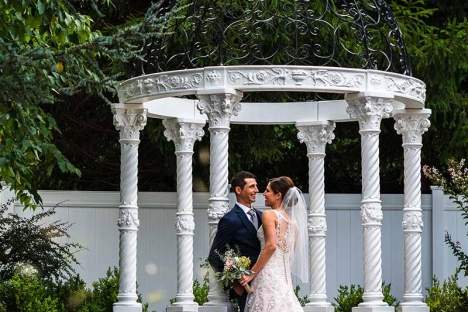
245 279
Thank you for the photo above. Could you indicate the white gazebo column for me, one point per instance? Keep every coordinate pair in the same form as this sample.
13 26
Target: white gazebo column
129 122
316 135
184 133
219 107
369 110
412 123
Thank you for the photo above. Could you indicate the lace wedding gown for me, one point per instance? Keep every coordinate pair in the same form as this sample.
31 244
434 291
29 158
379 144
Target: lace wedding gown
272 286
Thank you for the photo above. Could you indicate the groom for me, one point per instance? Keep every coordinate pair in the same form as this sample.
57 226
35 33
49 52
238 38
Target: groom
239 227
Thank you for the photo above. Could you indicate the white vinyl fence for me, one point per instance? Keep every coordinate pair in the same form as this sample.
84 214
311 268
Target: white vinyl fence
95 214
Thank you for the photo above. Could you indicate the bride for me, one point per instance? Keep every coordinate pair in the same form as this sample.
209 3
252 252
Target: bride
283 238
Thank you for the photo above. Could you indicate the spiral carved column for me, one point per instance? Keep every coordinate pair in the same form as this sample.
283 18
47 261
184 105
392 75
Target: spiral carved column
369 111
184 133
412 123
316 135
129 122
219 108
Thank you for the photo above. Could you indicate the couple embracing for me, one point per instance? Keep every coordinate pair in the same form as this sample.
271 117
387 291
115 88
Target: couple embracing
275 241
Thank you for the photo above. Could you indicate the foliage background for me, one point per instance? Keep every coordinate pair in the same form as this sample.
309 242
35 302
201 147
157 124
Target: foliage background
435 33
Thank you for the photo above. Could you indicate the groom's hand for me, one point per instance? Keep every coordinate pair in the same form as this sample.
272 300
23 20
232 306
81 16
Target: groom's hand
238 289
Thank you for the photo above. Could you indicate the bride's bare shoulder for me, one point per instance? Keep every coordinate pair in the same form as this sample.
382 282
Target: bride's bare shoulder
268 215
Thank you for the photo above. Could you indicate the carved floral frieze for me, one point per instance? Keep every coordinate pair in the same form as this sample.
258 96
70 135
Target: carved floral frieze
159 83
301 76
183 134
412 127
316 137
244 78
128 218
412 87
214 77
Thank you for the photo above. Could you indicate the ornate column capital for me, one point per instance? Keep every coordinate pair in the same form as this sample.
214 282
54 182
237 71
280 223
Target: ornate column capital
412 123
183 132
316 135
369 110
220 107
129 121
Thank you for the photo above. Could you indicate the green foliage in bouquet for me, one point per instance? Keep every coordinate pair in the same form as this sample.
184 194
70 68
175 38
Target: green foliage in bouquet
235 266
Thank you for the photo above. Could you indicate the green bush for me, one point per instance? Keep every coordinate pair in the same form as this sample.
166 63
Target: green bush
32 241
448 297
349 297
72 294
201 291
24 293
104 294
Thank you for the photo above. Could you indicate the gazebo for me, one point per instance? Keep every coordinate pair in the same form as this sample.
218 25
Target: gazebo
307 63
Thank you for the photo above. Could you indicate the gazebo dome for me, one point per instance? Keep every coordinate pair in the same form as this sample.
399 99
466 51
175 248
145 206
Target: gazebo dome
336 33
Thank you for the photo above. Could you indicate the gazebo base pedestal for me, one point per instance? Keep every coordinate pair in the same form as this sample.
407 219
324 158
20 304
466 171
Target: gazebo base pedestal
374 309
311 308
226 308
412 308
184 308
127 308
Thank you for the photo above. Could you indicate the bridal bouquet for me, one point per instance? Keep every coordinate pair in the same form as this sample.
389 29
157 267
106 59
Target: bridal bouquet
234 267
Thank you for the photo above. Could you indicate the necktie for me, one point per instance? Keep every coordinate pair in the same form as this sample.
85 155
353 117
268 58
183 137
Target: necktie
253 217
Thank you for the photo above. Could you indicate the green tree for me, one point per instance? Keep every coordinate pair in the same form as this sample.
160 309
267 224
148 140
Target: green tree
435 36
49 50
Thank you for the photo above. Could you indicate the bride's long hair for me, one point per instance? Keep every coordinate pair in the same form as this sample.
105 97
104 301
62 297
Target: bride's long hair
294 204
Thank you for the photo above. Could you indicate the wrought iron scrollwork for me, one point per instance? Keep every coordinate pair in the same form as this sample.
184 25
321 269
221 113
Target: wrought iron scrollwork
341 33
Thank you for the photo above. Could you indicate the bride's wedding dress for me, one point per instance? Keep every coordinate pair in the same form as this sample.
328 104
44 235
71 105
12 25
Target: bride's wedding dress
272 286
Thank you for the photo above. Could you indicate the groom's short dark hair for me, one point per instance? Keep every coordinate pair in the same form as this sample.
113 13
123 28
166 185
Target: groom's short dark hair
239 179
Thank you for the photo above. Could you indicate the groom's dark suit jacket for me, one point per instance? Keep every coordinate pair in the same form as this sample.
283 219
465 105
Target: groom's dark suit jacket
235 229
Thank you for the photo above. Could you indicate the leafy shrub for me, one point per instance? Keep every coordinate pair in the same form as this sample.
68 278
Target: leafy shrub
349 297
37 274
201 291
72 294
27 294
448 297
26 240
454 182
24 293
104 293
